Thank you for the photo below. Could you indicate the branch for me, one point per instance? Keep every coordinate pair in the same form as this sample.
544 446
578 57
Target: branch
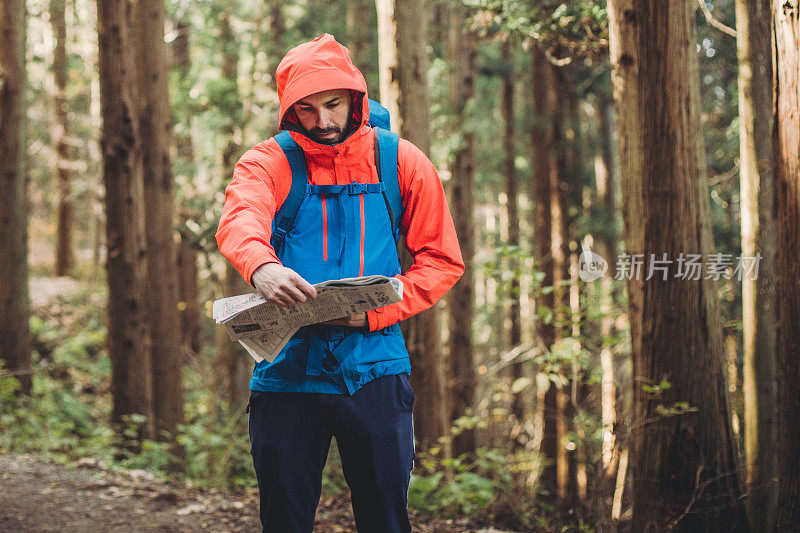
564 61
714 22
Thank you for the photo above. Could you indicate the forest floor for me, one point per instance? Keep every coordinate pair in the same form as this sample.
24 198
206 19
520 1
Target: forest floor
39 496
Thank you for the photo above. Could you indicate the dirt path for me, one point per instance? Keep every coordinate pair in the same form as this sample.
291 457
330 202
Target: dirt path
38 496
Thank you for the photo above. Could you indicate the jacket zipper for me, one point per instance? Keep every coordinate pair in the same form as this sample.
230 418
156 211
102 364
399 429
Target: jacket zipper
324 229
361 264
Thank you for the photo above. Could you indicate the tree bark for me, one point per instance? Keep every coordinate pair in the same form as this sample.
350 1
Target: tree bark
684 465
231 362
387 60
232 366
606 243
512 194
128 330
188 290
753 29
543 155
65 258
422 332
162 280
786 145
462 50
15 350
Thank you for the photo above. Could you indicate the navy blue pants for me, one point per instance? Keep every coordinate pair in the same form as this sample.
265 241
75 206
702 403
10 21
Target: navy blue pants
290 434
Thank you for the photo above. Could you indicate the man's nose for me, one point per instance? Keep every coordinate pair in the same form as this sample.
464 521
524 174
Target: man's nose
324 119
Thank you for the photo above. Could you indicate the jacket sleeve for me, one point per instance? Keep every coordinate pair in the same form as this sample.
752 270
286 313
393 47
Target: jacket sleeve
245 227
430 238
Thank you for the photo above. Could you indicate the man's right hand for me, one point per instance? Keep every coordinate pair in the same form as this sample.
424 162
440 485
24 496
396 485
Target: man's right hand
281 286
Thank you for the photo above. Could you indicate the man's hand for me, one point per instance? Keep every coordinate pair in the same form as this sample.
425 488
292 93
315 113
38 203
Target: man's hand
281 286
352 321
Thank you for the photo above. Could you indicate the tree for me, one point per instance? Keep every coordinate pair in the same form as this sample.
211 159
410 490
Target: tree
786 77
387 60
462 51
422 331
544 165
753 28
128 329
685 468
231 364
188 251
14 305
155 125
512 189
65 258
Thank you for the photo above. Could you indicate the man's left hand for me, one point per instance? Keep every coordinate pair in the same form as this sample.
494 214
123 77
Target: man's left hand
352 321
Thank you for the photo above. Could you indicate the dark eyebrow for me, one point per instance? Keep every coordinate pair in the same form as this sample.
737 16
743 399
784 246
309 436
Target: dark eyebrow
332 100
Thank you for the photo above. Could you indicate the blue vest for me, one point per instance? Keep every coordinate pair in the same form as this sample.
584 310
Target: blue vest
324 242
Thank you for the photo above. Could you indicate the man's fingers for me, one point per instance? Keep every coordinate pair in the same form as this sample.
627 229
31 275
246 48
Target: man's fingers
292 294
304 286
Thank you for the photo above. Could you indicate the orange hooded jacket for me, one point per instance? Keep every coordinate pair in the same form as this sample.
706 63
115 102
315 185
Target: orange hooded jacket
262 179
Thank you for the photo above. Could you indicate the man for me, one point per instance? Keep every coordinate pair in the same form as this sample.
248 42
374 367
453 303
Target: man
342 228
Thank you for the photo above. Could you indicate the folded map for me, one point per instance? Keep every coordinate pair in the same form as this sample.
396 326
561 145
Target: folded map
264 328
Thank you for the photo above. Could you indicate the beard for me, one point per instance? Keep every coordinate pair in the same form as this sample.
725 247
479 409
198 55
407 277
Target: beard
317 135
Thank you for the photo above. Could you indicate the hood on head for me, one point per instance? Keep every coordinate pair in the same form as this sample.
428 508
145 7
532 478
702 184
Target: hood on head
319 65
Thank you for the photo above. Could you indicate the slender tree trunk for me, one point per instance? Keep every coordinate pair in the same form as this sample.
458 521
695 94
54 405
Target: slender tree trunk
15 350
684 465
462 44
387 60
65 258
753 28
512 188
357 41
162 279
786 143
188 304
543 156
422 332
231 361
232 366
606 240
128 330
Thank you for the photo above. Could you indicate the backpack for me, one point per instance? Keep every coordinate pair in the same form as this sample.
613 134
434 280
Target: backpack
385 159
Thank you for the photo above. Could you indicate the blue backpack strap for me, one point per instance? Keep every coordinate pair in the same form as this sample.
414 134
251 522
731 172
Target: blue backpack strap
285 216
378 115
386 160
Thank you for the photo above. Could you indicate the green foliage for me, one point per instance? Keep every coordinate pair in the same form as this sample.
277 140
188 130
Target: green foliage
460 485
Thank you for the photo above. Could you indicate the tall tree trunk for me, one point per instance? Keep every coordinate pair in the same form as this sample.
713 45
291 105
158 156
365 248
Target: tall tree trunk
128 330
684 464
560 188
232 366
188 305
231 362
544 163
786 79
421 332
512 188
357 41
462 45
753 29
162 280
387 60
606 240
65 258
15 352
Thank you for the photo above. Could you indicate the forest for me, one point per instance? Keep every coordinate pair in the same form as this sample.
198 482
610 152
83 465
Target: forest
620 354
